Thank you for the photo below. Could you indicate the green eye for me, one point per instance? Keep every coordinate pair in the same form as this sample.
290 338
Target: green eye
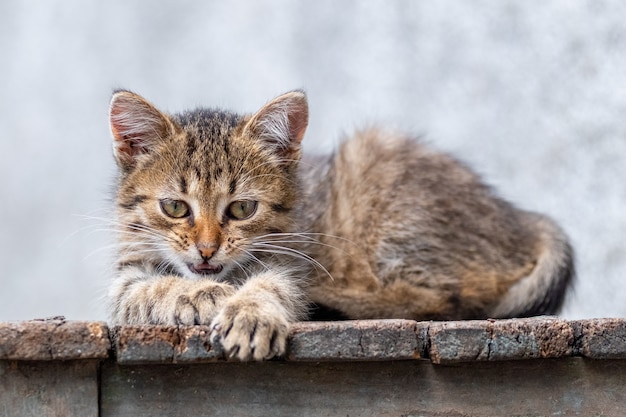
242 209
175 208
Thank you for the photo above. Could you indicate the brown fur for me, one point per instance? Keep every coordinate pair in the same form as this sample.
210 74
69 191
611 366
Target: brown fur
383 228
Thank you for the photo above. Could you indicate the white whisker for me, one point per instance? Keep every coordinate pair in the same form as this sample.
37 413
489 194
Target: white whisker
255 258
309 239
308 235
269 248
243 268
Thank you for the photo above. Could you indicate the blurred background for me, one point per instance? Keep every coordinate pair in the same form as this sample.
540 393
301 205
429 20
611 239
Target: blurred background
531 94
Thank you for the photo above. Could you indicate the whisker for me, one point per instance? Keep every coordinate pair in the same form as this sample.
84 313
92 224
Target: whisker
269 248
150 231
122 227
310 260
127 248
309 235
242 268
167 264
307 242
289 238
253 256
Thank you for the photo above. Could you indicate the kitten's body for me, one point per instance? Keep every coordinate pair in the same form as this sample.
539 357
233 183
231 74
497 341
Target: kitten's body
423 238
383 228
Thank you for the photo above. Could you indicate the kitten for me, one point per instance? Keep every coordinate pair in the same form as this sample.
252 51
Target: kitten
220 223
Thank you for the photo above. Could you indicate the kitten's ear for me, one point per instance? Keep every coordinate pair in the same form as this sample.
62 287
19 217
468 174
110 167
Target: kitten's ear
281 124
137 126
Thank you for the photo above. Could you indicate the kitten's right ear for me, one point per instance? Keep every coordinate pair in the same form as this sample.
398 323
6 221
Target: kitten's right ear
281 124
137 126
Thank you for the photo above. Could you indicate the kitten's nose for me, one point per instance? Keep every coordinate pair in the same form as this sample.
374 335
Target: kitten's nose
207 251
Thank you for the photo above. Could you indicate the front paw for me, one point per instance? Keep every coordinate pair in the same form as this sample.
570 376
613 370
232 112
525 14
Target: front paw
246 331
200 305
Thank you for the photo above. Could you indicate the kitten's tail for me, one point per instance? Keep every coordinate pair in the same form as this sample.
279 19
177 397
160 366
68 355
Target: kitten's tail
543 291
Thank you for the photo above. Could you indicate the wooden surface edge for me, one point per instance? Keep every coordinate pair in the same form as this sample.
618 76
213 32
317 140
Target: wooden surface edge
358 340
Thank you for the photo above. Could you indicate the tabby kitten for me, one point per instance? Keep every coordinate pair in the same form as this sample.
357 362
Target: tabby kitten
220 223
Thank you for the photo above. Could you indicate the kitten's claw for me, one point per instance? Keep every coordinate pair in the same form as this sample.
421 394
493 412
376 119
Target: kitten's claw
250 334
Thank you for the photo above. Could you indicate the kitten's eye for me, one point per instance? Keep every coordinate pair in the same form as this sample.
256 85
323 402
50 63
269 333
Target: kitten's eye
242 209
175 208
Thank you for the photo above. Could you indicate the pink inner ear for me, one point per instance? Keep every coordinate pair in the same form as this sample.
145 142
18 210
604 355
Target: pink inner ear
281 123
298 121
127 144
118 129
136 126
127 141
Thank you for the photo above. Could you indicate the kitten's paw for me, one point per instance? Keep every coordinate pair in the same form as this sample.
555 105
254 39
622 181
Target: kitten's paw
247 332
200 305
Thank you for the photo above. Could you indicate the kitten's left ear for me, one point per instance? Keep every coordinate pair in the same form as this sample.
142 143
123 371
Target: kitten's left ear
137 127
281 124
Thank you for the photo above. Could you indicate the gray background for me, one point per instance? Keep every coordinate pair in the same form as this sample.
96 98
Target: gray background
532 94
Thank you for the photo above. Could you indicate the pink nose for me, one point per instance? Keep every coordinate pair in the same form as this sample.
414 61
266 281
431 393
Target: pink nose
207 251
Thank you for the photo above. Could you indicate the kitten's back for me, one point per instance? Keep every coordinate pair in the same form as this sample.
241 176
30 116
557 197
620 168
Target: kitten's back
420 236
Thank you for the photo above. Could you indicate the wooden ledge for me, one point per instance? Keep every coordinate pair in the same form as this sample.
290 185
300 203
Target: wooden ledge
366 340
368 368
53 340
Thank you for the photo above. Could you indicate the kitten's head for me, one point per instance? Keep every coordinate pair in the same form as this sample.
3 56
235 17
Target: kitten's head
196 189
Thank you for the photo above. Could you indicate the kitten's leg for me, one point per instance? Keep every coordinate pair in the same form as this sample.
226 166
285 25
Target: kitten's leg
254 323
139 297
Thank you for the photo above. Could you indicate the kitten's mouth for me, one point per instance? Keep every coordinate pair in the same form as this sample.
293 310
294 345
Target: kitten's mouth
205 268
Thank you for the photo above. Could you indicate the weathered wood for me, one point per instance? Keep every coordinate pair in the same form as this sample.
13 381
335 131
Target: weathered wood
336 341
49 388
56 339
369 340
146 344
493 340
572 386
378 367
162 344
602 338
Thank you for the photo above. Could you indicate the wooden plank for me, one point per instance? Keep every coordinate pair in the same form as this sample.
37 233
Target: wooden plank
373 340
359 340
365 340
49 389
54 339
373 367
567 386
602 338
496 340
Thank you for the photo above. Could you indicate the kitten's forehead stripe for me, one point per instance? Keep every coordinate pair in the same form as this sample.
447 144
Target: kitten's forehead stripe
183 184
198 172
190 146
216 172
209 125
209 132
